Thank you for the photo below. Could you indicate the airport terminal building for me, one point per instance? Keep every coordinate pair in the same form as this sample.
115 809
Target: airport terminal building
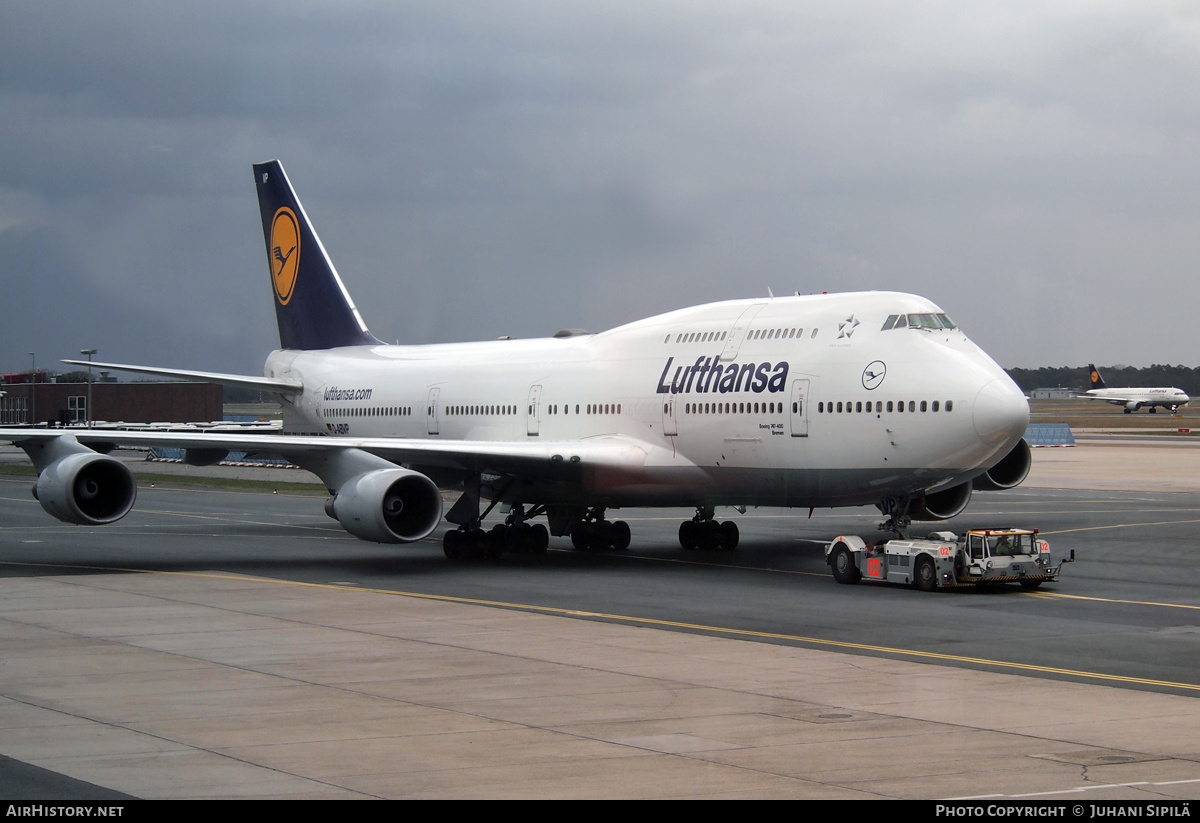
64 404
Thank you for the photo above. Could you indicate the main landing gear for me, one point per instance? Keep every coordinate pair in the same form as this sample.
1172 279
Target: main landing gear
514 535
704 532
594 533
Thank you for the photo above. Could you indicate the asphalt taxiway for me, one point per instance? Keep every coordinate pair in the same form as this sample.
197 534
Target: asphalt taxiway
216 644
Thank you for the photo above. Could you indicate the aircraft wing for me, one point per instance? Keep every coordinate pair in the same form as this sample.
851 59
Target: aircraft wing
531 459
271 384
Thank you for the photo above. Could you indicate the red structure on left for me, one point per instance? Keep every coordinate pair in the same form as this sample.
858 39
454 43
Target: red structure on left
29 398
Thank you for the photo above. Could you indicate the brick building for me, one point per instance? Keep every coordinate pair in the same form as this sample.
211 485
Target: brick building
66 403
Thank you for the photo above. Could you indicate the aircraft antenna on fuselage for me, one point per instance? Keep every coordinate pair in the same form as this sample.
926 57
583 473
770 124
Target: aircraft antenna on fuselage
312 306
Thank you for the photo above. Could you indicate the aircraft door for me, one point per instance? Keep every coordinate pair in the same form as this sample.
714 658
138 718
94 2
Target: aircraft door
799 408
532 411
431 411
669 427
738 333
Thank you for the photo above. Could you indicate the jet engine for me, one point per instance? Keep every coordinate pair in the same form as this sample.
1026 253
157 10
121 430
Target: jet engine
387 506
941 505
1010 472
1132 406
86 488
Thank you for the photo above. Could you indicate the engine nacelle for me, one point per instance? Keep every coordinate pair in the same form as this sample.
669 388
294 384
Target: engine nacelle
388 506
86 488
1010 472
1133 406
941 505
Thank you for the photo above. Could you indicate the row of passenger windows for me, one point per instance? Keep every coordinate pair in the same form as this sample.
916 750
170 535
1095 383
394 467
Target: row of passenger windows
369 411
697 337
778 334
590 408
869 406
755 334
877 406
490 411
732 408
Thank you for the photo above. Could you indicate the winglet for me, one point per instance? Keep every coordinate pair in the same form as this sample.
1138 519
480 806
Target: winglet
313 308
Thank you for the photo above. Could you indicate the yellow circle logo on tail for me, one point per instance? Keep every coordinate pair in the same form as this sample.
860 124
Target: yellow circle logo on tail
285 253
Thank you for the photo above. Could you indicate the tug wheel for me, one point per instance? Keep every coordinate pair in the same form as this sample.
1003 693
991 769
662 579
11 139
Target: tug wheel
925 575
842 564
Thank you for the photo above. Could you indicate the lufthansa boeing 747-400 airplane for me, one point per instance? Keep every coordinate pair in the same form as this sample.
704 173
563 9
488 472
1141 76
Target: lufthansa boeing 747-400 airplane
818 401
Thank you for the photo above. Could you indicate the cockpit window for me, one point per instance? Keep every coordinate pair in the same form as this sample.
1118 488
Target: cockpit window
924 321
930 322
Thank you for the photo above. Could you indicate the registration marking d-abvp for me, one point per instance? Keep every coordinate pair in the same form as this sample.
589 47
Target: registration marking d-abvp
285 253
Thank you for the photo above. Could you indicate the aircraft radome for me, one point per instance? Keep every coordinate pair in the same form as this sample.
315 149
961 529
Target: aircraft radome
807 401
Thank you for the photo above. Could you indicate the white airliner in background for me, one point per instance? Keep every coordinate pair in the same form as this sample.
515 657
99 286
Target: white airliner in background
818 401
1134 399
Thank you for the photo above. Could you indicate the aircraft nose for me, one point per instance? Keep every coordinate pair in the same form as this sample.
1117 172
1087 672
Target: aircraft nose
1000 412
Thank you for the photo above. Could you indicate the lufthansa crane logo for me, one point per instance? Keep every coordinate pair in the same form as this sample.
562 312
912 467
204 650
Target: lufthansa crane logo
285 253
873 375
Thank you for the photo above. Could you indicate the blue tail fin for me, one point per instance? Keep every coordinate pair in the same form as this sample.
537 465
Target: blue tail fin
312 306
1094 376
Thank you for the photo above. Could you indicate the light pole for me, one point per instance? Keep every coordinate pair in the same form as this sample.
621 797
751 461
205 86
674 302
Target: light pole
87 413
32 389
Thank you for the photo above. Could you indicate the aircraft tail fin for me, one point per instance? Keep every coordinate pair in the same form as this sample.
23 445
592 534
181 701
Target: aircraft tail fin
1094 376
312 306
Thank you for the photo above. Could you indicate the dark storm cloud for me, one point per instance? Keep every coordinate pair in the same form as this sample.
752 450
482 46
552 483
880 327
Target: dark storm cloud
479 169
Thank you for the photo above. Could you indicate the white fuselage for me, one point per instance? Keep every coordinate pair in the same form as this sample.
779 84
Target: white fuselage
1138 398
797 401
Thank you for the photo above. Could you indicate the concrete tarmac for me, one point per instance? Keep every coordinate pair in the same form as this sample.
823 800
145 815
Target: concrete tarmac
210 684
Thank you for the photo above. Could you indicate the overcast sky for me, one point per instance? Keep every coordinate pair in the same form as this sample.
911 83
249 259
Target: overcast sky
479 169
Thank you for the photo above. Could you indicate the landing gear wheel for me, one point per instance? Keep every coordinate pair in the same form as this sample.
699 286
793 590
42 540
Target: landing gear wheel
925 575
452 544
514 538
730 536
689 534
581 535
621 535
539 539
842 564
601 535
494 542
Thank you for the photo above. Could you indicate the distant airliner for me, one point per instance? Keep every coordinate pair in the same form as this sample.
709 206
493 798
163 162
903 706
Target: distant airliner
1134 399
819 401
